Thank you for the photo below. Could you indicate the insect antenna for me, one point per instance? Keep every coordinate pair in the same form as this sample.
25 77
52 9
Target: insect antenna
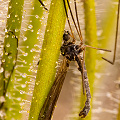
74 20
68 21
116 37
78 21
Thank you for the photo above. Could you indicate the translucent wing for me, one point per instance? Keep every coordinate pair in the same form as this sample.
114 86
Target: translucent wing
50 102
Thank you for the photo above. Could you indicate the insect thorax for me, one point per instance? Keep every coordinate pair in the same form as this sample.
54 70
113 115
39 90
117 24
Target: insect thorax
70 50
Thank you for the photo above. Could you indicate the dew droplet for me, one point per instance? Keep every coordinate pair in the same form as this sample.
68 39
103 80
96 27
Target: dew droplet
6 53
7 74
36 16
24 75
37 83
25 54
8 16
23 85
13 20
30 26
6 36
25 38
2 99
7 45
6 30
1 69
16 15
10 7
9 57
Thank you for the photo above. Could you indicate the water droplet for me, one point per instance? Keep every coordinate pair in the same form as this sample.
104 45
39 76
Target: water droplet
25 54
2 114
37 83
6 30
25 29
47 30
7 74
19 99
6 53
8 45
8 16
6 36
23 85
36 16
21 92
24 75
30 26
25 38
9 57
13 20
2 99
1 69
10 7
32 30
16 15
3 60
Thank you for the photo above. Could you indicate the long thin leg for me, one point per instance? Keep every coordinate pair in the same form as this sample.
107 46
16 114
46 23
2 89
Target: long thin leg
115 46
106 50
80 68
43 4
83 71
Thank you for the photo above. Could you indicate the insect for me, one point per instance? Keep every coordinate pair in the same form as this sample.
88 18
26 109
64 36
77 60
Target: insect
72 52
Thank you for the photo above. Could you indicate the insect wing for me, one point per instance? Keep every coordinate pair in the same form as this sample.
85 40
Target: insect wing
50 102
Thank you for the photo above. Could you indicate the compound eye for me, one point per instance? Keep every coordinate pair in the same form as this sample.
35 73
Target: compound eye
66 36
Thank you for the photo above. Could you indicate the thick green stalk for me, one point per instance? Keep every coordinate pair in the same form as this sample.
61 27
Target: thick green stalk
90 55
24 73
49 56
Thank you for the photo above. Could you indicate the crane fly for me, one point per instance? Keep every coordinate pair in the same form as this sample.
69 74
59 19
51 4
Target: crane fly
72 52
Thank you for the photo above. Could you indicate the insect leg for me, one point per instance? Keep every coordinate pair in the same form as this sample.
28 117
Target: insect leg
78 59
115 46
83 71
43 4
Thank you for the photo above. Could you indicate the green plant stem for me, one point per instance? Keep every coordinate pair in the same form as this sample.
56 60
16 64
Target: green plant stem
49 56
90 39
14 17
23 73
13 25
